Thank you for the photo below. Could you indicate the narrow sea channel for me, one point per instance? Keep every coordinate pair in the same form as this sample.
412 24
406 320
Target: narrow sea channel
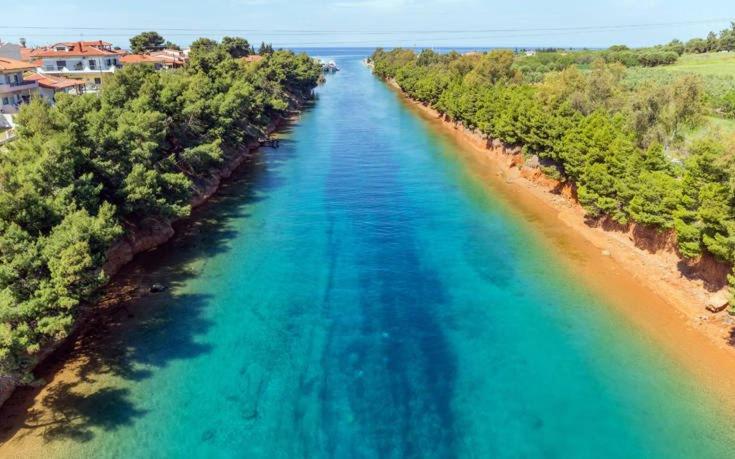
358 294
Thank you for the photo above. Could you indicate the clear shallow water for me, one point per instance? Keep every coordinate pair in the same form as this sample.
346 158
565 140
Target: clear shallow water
359 295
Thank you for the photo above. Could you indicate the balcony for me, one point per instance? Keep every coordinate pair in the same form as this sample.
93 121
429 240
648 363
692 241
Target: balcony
10 109
12 88
75 69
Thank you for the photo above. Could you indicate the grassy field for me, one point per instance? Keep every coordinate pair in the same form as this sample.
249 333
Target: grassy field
718 75
705 64
717 67
712 126
716 70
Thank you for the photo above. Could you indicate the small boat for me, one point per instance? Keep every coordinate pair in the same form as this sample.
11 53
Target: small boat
329 67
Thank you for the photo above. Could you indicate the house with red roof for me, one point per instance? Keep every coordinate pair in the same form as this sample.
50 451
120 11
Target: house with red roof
171 58
163 59
49 86
88 61
14 88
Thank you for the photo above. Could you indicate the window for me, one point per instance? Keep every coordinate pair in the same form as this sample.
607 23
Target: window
97 81
16 78
6 101
92 63
60 64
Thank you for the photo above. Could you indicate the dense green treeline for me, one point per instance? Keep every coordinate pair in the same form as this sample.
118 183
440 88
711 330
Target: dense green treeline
535 66
84 170
614 142
724 41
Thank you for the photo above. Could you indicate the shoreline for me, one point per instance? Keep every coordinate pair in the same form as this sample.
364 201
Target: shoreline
610 261
146 235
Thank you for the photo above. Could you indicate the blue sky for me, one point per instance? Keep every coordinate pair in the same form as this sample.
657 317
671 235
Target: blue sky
369 22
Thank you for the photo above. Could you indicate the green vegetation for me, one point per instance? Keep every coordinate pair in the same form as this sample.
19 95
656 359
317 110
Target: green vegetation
720 60
146 42
535 66
724 41
714 63
711 127
616 139
83 171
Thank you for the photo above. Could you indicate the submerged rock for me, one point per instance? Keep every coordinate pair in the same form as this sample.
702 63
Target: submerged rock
718 302
157 288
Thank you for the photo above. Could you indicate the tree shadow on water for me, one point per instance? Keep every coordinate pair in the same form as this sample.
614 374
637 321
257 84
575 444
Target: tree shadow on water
75 415
92 378
131 333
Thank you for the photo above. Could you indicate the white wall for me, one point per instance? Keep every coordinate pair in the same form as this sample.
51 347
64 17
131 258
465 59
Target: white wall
79 64
13 77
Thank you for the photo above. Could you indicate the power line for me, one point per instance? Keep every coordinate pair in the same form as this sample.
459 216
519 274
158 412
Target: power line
300 32
394 42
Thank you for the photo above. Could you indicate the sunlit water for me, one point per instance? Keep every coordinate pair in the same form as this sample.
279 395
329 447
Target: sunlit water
358 294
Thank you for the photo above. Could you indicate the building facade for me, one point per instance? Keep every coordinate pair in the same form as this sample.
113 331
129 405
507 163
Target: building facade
11 51
14 89
89 61
49 86
163 59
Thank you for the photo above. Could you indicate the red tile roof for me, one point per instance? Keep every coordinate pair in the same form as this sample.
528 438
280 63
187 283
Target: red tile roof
79 48
170 56
13 64
25 54
96 43
140 59
157 57
53 82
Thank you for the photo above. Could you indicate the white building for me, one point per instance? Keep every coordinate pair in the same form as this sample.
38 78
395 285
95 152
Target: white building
82 60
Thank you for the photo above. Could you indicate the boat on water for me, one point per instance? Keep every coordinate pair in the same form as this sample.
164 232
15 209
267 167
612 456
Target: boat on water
329 67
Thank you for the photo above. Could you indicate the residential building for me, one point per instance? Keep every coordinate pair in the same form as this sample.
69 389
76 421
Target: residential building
14 89
132 59
49 86
88 61
163 59
172 58
10 51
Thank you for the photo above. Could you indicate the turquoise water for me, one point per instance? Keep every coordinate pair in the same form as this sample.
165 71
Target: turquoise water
358 294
